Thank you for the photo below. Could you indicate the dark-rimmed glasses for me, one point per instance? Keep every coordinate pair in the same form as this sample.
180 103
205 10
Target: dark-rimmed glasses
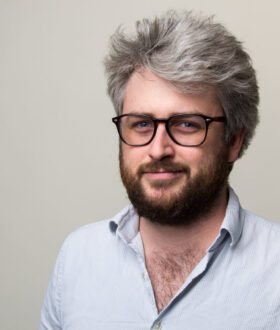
188 130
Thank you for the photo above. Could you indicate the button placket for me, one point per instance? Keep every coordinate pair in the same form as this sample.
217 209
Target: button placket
157 326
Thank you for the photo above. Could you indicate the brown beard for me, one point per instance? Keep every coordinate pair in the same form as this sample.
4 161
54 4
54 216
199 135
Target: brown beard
196 199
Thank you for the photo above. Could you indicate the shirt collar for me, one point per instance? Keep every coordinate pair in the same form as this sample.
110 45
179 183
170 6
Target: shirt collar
126 223
232 224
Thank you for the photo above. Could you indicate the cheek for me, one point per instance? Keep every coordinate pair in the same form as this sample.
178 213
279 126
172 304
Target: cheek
192 156
132 156
197 158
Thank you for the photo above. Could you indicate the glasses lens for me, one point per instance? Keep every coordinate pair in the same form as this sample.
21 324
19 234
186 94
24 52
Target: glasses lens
136 129
187 130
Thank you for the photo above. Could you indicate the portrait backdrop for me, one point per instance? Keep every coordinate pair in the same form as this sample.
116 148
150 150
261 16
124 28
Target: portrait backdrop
59 148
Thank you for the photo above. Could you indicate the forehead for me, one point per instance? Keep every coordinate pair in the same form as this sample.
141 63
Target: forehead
149 94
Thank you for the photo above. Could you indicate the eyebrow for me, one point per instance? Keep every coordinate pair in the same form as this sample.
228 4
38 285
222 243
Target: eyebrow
194 112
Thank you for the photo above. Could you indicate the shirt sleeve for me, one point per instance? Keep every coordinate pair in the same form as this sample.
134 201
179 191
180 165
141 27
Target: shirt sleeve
51 315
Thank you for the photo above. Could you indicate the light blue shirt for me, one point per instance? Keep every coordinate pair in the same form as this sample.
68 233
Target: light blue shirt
100 281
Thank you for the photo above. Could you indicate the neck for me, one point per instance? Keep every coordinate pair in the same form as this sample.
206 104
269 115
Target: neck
157 237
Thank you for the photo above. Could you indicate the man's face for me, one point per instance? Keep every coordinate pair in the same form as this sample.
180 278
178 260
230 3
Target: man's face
166 182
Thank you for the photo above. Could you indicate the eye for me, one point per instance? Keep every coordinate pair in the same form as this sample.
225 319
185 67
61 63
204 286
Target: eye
142 125
186 124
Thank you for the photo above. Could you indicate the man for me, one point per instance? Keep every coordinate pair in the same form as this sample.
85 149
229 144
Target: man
184 255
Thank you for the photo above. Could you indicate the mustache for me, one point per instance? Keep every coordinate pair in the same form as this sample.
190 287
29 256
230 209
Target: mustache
163 165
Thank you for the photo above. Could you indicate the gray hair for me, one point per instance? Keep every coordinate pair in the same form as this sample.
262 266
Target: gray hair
192 53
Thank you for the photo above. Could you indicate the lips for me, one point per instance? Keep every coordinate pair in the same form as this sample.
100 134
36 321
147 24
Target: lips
162 175
162 170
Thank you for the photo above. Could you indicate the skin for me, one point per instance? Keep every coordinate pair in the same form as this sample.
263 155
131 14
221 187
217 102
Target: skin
165 245
148 94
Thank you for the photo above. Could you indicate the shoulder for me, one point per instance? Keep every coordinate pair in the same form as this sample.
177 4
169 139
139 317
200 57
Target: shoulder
89 237
96 236
94 231
261 224
260 232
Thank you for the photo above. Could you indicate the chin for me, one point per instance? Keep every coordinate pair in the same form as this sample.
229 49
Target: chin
161 191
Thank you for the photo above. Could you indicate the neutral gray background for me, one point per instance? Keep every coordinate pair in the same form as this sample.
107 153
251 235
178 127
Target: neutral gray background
58 147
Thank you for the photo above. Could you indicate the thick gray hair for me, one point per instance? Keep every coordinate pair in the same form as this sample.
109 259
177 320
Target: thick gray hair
192 53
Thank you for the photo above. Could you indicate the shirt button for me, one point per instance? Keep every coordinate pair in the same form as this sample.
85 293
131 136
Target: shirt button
144 276
157 326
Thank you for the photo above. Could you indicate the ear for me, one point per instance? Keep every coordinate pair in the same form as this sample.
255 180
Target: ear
235 146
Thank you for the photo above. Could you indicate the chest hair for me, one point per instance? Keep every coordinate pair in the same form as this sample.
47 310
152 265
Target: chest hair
168 271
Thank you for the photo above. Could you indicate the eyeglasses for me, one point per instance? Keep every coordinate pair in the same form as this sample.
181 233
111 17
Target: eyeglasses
188 130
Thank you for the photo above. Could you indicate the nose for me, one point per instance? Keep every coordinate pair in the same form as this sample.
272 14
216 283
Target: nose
161 146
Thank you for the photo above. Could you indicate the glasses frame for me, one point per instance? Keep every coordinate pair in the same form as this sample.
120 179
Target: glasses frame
156 121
